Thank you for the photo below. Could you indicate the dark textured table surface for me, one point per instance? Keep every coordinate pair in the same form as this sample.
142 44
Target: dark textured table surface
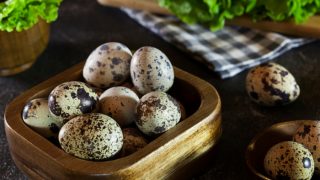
83 25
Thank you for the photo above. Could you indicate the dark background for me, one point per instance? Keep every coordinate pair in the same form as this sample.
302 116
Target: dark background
84 24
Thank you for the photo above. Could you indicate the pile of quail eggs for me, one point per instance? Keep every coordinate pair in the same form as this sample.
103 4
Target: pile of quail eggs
108 115
296 159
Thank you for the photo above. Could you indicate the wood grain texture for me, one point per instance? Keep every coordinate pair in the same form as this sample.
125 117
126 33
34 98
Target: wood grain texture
149 5
163 158
311 28
19 50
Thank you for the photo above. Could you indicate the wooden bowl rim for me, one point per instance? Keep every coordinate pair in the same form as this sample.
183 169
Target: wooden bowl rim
210 106
252 145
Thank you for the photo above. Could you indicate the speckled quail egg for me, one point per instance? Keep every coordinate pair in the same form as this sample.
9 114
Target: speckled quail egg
308 134
151 70
157 112
133 140
271 84
91 136
70 99
37 116
108 65
120 104
131 86
289 160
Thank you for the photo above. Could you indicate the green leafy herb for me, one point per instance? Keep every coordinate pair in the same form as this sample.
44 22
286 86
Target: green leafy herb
214 13
22 14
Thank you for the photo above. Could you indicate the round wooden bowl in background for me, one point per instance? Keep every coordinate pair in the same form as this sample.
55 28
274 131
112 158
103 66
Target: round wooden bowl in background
19 50
261 143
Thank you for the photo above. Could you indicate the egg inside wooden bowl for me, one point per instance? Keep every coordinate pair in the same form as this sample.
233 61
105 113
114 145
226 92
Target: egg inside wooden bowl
169 155
261 144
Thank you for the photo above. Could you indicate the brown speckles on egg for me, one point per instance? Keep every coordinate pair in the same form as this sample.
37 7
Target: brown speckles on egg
73 95
115 59
91 136
104 47
273 91
159 129
305 131
145 108
54 106
87 102
289 159
99 63
273 84
284 73
149 72
65 103
37 116
308 134
274 81
157 112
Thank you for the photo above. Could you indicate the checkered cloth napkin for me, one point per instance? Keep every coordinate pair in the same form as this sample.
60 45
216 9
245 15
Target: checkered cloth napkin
228 51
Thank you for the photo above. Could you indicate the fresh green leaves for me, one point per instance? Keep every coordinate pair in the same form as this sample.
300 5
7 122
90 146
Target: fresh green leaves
280 10
22 14
214 12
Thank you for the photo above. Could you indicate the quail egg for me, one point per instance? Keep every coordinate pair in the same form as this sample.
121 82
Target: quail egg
271 84
120 104
91 136
133 140
70 99
37 116
289 160
157 112
151 70
308 134
108 65
131 86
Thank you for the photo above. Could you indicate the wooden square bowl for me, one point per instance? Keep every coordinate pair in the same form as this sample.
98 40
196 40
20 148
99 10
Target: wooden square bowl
167 156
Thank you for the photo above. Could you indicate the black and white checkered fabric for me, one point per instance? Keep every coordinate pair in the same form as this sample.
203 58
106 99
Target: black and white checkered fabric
228 51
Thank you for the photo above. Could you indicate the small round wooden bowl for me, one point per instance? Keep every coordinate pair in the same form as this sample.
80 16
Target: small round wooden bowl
259 146
19 50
